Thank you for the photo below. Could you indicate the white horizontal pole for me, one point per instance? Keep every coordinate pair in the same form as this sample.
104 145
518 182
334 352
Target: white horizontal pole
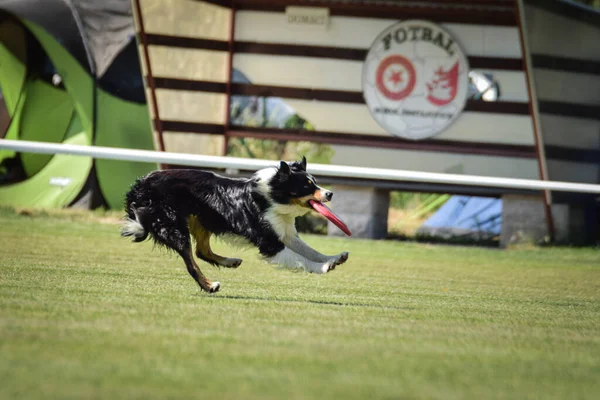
340 171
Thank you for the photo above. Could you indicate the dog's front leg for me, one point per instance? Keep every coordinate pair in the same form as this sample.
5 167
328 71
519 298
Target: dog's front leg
290 259
299 246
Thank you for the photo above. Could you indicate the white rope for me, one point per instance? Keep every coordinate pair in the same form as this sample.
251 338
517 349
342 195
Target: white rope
340 171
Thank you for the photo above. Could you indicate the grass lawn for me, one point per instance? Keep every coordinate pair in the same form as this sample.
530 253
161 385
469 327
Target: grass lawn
86 314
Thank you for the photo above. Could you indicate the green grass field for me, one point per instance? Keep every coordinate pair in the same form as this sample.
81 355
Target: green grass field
86 314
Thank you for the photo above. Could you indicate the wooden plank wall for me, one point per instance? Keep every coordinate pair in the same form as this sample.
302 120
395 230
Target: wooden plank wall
563 40
318 74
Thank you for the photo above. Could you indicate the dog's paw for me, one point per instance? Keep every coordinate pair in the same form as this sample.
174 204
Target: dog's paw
328 266
231 263
213 288
341 258
338 260
333 262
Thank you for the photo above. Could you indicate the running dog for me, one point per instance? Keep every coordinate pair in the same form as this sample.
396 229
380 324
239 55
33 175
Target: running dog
169 205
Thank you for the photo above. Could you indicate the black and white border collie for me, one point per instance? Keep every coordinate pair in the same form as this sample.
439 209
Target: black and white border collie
170 205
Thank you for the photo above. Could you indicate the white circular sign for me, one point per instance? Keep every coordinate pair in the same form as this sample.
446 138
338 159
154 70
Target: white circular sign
415 79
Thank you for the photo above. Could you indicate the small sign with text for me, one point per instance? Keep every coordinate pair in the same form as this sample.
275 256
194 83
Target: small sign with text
309 17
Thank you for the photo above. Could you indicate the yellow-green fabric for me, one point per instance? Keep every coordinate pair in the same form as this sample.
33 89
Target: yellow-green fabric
13 59
123 124
45 118
49 114
56 185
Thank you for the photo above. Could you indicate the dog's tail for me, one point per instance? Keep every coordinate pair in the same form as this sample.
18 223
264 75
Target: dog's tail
133 227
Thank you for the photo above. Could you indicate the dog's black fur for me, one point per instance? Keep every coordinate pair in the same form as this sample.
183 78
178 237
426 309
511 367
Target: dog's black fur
162 203
165 200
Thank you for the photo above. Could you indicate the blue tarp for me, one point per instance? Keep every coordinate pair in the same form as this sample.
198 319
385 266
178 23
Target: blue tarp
465 216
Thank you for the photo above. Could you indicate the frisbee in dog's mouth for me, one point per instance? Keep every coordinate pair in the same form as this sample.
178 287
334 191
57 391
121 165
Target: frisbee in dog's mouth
327 213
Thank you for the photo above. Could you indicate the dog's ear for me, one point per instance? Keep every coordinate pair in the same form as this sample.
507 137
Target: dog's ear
303 164
298 166
284 169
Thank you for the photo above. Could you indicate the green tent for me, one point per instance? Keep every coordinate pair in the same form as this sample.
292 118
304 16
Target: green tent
64 80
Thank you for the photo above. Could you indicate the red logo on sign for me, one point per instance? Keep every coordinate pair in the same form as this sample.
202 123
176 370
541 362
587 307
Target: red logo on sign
443 87
396 77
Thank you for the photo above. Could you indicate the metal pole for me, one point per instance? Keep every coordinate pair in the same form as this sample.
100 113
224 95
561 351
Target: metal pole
157 124
535 115
229 77
340 171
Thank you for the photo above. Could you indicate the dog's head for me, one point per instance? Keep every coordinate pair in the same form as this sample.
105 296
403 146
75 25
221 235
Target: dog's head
290 185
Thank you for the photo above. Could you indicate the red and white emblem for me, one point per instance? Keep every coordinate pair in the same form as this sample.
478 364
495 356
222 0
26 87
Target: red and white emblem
443 87
415 79
396 77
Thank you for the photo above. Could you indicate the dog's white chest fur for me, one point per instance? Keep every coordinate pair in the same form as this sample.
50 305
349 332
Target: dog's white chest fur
282 219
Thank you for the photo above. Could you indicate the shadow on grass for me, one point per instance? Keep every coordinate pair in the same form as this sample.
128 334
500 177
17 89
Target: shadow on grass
319 302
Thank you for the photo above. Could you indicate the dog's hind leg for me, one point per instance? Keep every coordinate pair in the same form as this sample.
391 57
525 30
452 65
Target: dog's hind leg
194 270
176 236
203 250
